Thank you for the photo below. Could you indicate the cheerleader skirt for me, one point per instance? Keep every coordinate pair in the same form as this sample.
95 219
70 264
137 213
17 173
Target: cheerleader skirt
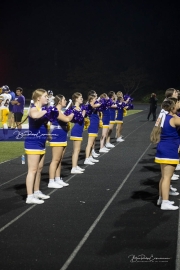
119 118
94 125
59 136
77 131
167 152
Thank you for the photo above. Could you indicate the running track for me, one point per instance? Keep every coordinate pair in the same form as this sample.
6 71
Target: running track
104 220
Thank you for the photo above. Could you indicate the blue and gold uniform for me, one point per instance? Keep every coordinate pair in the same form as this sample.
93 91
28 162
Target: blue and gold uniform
106 118
59 133
77 129
35 141
112 113
94 124
119 118
167 148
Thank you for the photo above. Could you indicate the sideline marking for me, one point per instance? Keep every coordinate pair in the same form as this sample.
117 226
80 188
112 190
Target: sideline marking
81 243
178 245
23 213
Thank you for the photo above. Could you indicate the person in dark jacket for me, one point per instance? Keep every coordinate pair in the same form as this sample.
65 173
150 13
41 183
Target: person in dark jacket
153 106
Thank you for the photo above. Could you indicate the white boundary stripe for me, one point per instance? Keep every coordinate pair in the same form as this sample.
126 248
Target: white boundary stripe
178 245
81 243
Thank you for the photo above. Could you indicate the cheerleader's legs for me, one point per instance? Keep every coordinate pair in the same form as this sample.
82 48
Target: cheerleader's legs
57 154
38 174
103 137
58 171
109 133
75 154
91 141
167 171
35 163
118 130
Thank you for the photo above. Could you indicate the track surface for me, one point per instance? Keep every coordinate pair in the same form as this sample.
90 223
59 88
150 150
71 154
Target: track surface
106 219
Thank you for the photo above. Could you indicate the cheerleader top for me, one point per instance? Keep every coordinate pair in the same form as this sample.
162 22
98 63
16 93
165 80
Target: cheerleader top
168 132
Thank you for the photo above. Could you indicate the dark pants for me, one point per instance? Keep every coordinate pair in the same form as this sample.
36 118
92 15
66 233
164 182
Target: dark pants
152 111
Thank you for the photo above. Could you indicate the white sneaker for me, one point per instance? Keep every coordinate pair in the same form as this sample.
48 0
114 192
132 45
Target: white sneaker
61 183
174 178
173 193
103 150
159 202
34 200
109 145
119 140
76 171
95 155
93 160
177 167
177 175
80 169
173 189
40 195
88 162
54 185
167 206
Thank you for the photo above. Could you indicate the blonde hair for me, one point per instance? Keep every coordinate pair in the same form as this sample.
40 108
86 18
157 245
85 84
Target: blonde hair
75 96
57 99
38 93
167 105
104 95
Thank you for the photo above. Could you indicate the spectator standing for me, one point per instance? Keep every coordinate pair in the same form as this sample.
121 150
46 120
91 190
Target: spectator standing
18 108
153 106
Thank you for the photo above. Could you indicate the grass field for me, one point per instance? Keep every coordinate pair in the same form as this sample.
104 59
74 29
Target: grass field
10 150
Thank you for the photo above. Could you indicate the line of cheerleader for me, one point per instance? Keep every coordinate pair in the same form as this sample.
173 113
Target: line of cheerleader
52 123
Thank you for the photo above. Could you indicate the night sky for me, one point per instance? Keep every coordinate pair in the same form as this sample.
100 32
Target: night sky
79 45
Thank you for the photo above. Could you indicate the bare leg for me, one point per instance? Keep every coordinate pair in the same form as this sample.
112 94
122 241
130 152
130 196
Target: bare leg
89 146
58 171
57 152
168 171
38 174
33 162
103 137
109 133
75 154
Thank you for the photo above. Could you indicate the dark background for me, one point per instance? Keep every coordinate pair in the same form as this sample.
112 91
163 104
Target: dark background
81 45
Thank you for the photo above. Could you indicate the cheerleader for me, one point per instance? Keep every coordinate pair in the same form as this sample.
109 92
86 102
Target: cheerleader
94 154
58 143
112 121
119 118
77 130
105 127
165 134
35 146
92 129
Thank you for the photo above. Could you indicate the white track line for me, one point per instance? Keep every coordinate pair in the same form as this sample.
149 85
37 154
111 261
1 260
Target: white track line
19 216
81 243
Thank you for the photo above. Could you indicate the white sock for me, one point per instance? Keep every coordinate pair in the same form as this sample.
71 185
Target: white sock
57 178
93 151
51 180
30 196
165 201
36 192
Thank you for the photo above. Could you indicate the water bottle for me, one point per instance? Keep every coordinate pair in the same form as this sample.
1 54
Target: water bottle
23 159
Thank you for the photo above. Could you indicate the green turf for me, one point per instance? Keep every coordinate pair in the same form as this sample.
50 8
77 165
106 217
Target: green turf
10 150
